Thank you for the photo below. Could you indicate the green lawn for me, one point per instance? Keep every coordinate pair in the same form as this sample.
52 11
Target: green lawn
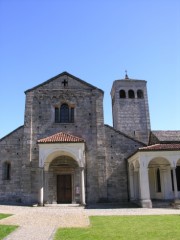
5 229
166 227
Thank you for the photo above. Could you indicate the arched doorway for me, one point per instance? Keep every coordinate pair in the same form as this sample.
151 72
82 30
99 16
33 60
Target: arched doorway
63 181
160 179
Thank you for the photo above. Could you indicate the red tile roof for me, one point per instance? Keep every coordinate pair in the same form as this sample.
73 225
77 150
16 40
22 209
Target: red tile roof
161 147
61 138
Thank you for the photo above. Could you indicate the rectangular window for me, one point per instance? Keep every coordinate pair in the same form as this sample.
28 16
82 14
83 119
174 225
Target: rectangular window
56 115
72 115
6 171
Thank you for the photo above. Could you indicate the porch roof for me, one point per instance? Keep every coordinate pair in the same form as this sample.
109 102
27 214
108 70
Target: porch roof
61 138
161 147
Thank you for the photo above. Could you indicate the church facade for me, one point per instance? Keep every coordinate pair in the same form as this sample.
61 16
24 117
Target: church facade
64 153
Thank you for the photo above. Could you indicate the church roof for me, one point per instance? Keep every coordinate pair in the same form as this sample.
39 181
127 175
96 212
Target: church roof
164 137
161 147
61 138
60 75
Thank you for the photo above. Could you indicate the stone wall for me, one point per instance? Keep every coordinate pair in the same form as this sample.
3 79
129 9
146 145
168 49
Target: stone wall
11 152
118 148
89 124
131 115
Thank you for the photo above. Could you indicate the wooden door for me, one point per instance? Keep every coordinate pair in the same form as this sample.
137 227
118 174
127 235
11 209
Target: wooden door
64 188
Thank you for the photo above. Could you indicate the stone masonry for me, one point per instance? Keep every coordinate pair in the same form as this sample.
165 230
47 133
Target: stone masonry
106 148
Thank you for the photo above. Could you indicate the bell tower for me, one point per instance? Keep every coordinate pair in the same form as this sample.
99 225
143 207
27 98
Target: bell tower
130 108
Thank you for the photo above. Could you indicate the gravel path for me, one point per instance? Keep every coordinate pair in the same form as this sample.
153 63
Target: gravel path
40 223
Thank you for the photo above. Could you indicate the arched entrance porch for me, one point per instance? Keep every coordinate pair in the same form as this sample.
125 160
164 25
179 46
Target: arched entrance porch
62 181
61 177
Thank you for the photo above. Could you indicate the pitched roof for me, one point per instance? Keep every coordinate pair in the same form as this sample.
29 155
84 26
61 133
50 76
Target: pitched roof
14 131
125 135
161 147
61 138
164 137
60 75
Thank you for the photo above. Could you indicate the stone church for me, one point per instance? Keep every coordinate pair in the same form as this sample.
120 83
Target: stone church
64 153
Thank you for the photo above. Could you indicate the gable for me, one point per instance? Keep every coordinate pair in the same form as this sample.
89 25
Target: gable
15 135
64 81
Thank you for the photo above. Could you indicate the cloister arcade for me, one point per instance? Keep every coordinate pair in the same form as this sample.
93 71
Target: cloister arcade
154 176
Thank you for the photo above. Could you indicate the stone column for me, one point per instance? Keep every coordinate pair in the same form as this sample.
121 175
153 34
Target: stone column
145 200
41 186
175 183
83 201
164 185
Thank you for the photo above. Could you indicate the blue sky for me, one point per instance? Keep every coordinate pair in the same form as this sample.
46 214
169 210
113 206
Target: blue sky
95 40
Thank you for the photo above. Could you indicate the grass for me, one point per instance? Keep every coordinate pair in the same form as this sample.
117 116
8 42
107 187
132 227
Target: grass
5 229
164 227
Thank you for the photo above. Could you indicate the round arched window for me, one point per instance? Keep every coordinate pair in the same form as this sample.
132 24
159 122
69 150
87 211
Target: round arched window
122 94
140 94
131 94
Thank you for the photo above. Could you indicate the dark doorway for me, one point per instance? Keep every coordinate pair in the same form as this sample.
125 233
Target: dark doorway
64 188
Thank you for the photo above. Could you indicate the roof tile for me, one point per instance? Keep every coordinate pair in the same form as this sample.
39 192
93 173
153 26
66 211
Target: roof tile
61 138
161 147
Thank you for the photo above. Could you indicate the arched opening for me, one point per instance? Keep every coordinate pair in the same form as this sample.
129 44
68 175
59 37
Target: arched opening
64 113
160 178
122 94
178 175
131 94
63 181
140 94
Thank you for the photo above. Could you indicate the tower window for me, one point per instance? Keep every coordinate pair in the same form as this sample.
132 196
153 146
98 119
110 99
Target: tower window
122 94
140 94
64 114
131 94
6 171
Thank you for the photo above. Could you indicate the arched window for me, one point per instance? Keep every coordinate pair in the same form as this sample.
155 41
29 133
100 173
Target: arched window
140 94
131 94
6 171
158 181
122 94
64 114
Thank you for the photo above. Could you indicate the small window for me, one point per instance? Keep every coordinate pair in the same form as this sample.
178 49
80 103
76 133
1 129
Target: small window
57 115
6 171
72 115
122 94
140 94
64 114
158 181
131 94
